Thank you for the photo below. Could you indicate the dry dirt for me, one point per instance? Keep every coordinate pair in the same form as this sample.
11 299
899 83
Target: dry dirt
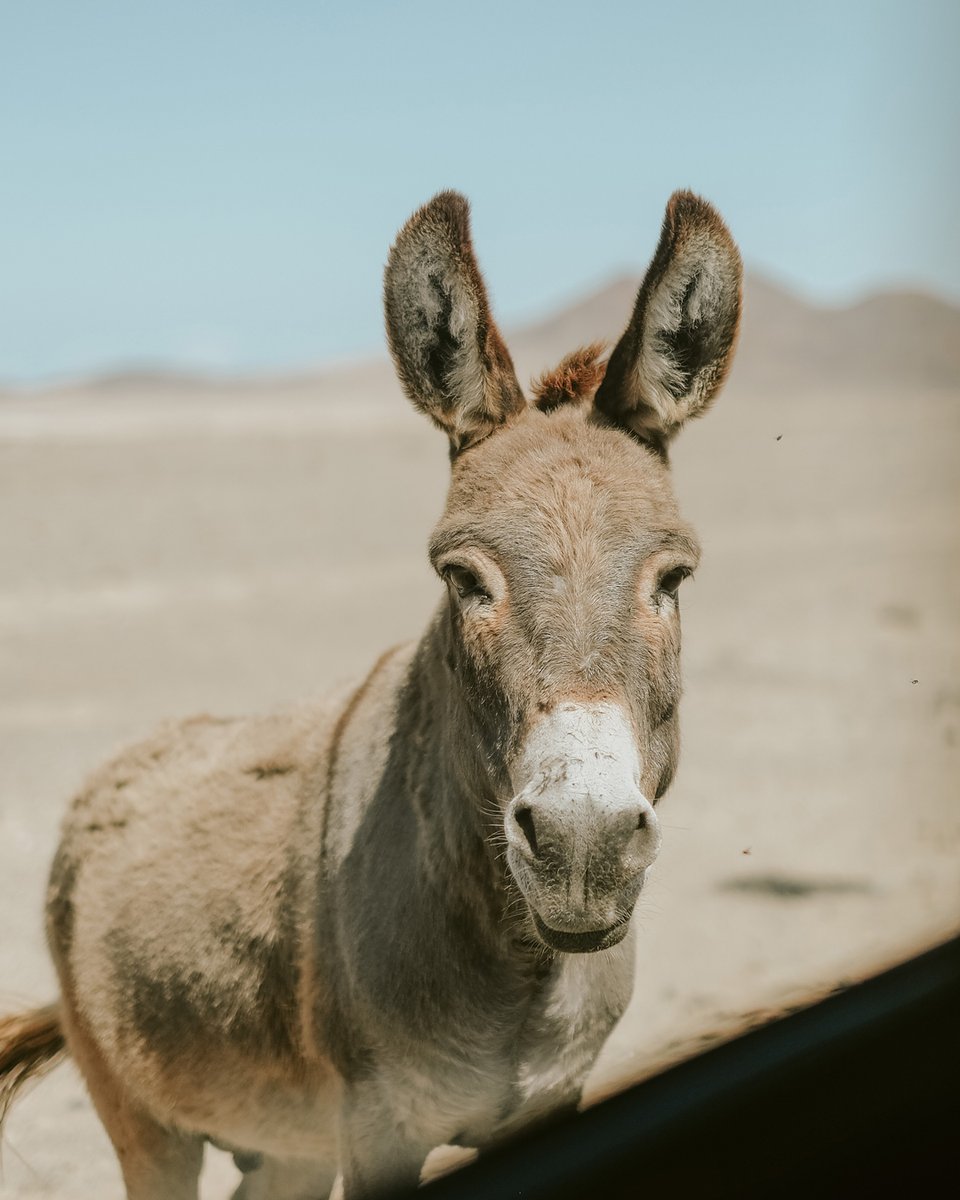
169 547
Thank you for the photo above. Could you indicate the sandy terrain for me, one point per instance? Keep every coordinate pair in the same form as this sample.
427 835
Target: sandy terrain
168 547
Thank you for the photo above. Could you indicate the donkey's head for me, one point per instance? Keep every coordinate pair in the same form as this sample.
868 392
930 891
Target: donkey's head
563 553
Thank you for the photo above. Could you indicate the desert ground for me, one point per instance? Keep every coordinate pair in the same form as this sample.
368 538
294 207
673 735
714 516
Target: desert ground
172 545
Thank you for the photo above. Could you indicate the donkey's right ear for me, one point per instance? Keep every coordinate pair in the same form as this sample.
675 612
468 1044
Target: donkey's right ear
449 355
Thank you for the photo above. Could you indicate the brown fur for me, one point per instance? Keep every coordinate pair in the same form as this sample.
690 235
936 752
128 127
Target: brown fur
574 379
350 931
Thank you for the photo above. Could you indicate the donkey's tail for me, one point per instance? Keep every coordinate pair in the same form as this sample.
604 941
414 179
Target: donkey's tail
30 1043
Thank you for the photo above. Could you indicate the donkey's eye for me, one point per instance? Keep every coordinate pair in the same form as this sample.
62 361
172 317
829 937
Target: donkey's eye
466 583
669 583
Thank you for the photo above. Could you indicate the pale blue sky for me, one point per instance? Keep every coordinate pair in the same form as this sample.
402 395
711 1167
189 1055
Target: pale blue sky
202 183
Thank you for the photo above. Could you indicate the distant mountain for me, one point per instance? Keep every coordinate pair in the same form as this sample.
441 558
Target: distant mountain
598 316
897 338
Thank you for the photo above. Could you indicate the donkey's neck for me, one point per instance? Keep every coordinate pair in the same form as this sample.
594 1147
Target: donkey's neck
449 950
452 791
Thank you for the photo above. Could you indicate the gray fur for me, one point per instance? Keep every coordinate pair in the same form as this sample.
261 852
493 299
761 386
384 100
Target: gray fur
326 938
449 354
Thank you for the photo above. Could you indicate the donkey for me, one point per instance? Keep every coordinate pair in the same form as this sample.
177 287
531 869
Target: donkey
334 938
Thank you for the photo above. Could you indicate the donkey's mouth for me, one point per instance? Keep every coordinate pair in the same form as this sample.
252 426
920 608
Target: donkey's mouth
581 943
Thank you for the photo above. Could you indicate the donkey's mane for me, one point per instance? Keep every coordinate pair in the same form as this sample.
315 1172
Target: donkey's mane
575 378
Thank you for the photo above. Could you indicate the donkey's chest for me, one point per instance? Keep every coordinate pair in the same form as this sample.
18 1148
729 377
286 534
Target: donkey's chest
471 1087
567 1030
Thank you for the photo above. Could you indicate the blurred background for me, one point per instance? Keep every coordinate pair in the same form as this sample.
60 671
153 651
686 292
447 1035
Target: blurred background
213 186
214 497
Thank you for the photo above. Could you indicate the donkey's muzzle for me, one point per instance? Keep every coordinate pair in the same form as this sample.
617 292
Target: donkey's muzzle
580 833
580 861
580 943
565 831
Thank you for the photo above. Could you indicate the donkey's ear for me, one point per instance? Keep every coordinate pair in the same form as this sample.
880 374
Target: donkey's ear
449 354
678 347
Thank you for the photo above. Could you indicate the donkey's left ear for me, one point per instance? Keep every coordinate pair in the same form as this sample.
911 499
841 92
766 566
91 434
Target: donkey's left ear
449 354
677 349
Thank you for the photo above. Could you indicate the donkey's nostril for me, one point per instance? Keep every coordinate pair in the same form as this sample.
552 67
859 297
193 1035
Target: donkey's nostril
524 818
642 820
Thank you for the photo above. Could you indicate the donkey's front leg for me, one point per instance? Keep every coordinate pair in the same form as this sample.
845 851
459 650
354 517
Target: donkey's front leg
377 1153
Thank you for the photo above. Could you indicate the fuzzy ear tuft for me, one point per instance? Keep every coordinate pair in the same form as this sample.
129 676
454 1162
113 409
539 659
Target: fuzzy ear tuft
678 346
451 360
574 379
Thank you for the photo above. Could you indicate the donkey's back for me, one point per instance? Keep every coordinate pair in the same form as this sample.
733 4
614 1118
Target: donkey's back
175 914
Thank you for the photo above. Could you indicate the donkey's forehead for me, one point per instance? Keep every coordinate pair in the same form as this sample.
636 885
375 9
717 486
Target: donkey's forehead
555 479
